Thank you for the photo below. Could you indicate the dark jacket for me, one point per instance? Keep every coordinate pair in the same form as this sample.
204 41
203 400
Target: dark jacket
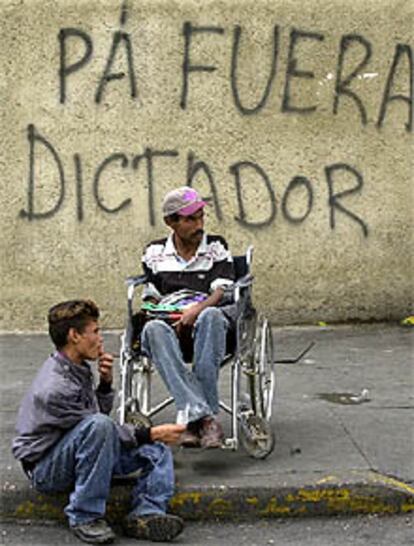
61 395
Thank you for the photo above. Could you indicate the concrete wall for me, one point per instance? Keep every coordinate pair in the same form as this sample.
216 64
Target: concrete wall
294 117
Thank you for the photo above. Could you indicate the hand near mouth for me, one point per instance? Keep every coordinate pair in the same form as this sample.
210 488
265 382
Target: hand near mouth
105 367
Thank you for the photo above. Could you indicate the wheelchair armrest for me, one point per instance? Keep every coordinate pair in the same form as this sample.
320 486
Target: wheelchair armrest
240 286
136 280
244 282
132 282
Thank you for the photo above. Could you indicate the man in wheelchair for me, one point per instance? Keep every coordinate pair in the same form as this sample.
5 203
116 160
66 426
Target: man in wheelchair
194 272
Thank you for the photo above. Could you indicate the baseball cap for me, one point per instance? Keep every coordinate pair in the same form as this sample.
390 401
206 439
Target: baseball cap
183 201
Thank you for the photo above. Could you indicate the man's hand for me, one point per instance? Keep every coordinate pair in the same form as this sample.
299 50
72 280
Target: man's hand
105 367
169 434
188 318
190 315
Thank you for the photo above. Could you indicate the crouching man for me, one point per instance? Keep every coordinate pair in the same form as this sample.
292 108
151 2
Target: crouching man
66 440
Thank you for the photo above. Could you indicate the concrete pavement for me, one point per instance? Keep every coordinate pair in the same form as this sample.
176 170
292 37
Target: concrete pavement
334 454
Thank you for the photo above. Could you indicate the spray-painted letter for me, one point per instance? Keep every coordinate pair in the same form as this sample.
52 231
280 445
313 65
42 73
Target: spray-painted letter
119 38
33 137
334 198
149 155
236 169
293 72
124 163
234 64
64 69
188 31
193 167
342 85
402 49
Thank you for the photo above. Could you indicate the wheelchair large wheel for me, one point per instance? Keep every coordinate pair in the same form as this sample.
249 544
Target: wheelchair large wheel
262 375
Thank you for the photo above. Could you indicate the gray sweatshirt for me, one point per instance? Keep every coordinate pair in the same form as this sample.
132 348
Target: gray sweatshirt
61 395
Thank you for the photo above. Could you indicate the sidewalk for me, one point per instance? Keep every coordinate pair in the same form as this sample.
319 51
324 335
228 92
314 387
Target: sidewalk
330 457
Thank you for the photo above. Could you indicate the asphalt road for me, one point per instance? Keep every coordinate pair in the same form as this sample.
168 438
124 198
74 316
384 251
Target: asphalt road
355 531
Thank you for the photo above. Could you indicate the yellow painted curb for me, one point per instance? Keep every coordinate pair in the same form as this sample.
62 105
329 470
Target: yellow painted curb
354 493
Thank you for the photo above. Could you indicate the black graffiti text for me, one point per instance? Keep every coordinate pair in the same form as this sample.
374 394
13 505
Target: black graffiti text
298 73
243 175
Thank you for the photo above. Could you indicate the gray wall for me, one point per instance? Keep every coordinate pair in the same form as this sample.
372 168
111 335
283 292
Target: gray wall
294 117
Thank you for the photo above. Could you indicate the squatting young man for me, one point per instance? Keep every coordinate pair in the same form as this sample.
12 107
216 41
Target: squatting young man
66 440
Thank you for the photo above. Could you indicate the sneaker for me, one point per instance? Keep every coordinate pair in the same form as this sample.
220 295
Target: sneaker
211 433
94 532
157 527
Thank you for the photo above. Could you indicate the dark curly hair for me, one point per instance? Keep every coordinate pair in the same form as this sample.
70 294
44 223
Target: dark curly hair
70 314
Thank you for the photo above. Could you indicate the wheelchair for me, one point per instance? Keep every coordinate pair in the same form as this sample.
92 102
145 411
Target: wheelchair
252 376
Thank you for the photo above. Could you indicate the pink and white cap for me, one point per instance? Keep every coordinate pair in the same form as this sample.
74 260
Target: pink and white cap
183 201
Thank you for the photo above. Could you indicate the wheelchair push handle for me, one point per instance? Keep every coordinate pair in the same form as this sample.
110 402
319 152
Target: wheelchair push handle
244 282
136 280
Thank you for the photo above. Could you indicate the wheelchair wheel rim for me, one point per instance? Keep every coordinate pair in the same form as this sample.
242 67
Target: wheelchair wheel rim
262 381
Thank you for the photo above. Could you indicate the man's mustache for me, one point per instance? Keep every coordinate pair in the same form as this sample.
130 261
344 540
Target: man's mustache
199 232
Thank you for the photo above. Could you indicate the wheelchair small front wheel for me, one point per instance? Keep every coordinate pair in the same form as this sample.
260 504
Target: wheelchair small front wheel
262 375
256 436
136 418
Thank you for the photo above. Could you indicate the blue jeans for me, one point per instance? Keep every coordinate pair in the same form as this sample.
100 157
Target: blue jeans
87 457
195 391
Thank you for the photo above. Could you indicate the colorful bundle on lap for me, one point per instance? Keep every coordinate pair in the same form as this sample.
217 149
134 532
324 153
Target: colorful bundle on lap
171 307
